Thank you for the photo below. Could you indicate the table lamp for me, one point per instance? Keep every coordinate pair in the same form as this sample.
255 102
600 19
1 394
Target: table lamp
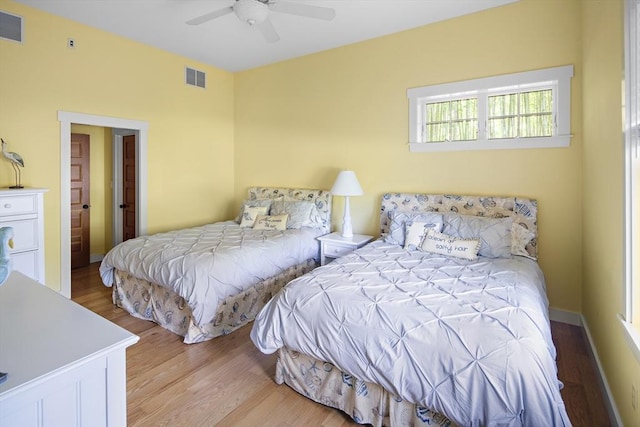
346 185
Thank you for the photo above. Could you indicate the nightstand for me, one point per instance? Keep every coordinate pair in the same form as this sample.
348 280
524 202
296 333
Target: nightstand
334 246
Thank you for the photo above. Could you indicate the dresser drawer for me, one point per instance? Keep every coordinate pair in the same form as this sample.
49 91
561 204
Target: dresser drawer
26 263
336 251
18 205
25 233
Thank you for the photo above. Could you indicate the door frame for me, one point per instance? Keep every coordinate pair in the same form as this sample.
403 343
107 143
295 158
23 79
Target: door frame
66 119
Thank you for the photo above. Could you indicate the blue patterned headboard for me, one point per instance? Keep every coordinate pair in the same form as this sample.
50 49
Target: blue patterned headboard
524 211
321 198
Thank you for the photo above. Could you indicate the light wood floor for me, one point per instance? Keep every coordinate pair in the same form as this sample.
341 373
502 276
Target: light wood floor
228 382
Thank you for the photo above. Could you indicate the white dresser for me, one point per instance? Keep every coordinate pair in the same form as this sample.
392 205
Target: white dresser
23 209
66 365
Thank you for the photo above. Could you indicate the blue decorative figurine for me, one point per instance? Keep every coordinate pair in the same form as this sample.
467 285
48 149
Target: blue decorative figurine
6 244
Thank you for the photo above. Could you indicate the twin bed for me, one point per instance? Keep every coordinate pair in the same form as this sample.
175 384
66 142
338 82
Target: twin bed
207 281
395 334
442 321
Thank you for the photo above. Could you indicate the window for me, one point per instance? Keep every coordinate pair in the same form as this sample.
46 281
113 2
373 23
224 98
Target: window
522 110
631 319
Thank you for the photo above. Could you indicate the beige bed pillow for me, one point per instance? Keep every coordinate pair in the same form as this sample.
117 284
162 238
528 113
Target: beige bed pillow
273 222
445 244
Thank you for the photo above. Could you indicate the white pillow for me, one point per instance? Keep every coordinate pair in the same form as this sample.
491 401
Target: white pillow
257 202
273 222
396 233
415 232
250 213
300 212
494 233
444 244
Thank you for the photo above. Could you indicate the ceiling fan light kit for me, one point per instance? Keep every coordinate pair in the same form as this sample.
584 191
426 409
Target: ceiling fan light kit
256 12
251 11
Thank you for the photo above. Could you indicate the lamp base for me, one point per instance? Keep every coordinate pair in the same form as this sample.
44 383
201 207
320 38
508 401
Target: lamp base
16 186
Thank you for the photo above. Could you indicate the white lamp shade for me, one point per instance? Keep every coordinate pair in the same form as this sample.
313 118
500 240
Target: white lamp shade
346 185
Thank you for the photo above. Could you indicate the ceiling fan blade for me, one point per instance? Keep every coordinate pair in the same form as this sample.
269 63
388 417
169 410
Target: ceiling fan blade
210 16
307 10
268 31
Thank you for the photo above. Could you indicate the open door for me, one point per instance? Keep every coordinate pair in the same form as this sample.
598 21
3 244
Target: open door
80 231
128 205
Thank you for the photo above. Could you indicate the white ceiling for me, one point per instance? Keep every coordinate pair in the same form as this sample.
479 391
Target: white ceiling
232 45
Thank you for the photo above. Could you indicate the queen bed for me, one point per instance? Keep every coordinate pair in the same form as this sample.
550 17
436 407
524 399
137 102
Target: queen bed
442 321
206 281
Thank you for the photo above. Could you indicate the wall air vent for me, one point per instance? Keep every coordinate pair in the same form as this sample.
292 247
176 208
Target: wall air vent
195 77
10 27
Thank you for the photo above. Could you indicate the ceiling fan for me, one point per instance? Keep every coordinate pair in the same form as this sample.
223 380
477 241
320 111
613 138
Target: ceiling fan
256 12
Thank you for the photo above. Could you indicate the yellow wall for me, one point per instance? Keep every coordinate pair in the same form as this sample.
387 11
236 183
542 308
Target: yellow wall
603 207
190 139
100 171
347 108
298 122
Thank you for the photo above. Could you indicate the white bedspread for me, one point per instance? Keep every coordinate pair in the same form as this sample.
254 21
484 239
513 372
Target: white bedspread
207 264
469 339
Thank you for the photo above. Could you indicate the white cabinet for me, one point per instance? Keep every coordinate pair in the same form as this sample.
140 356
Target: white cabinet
23 209
66 365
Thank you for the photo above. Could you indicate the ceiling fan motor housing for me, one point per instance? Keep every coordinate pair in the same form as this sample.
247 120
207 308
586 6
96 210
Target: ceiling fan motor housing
251 11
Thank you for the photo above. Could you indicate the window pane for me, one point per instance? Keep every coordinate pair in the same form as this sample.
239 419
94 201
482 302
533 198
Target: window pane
464 109
540 101
466 130
502 128
455 120
438 112
539 125
437 132
503 105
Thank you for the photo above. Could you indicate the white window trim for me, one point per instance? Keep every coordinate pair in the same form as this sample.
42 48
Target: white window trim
560 76
632 157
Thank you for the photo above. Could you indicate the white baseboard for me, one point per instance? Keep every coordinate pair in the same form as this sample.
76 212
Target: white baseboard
95 258
564 316
577 319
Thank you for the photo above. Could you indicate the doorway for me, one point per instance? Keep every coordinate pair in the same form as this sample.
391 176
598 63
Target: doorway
66 119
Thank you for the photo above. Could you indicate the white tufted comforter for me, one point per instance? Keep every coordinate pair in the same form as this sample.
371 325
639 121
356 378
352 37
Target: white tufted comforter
468 339
207 264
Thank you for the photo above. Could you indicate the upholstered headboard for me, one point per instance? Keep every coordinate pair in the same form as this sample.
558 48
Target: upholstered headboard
524 211
321 198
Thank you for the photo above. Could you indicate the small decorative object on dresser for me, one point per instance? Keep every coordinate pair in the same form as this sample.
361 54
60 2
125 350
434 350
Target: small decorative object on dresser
6 244
334 246
16 163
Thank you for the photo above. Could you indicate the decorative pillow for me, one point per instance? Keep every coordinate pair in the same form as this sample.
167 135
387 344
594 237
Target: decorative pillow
494 233
520 238
253 203
249 214
444 244
399 218
300 212
273 222
415 232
